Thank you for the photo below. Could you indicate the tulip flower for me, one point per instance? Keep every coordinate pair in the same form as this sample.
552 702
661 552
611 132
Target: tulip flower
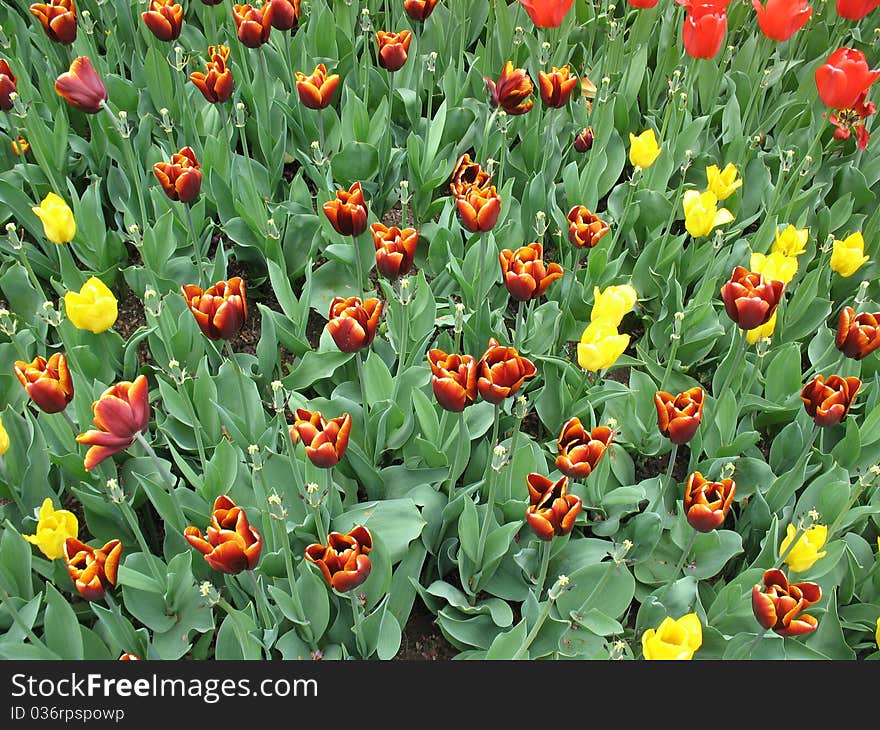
82 87
4 439
781 19
601 345
547 13
93 570
419 10
843 78
512 91
220 310
164 18
762 332
345 560
583 142
579 449
704 27
347 213
848 255
316 91
325 440
393 48
584 228
791 242
8 84
852 120
231 545
479 208
58 18
679 416
395 249
702 214
93 307
643 150
59 225
253 25
806 550
750 299
858 335
723 183
856 9
643 4
54 526
454 379
216 83
611 304
673 639
121 413
47 382
466 174
551 511
774 265
706 503
20 147
181 178
353 323
282 14
828 401
777 604
556 87
525 274
129 657
502 371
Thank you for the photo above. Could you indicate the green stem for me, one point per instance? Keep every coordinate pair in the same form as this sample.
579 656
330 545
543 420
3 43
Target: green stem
359 361
201 257
857 492
239 376
581 386
401 346
666 373
356 610
684 555
167 477
490 499
260 599
15 134
131 520
359 267
284 542
542 617
520 325
618 226
134 168
30 272
797 536
672 455
389 136
545 564
737 361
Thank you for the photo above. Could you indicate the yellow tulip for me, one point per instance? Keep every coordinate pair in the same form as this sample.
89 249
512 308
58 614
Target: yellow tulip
93 308
763 332
612 304
774 265
806 550
877 633
643 150
4 439
673 639
723 183
848 255
792 241
702 214
57 217
53 529
600 346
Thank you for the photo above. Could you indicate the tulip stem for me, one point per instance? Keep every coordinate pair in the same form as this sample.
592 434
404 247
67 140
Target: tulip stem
134 168
244 639
73 425
672 353
578 253
14 135
131 520
359 361
736 362
581 386
542 617
618 226
672 456
260 599
201 258
401 346
359 267
520 325
357 613
240 380
484 247
545 564
284 542
321 132
16 617
797 536
389 135
684 555
212 18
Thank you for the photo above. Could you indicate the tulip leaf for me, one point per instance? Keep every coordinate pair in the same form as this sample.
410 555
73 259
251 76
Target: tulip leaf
62 629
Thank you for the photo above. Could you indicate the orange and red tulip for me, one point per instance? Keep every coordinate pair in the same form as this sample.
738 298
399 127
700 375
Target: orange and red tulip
781 19
579 449
467 173
181 178
502 371
749 299
58 18
395 249
353 323
347 212
20 147
47 382
253 25
129 657
216 83
855 9
583 142
230 544
325 439
479 208
282 14
706 503
547 13
843 78
551 511
679 416
93 570
8 85
164 18
419 10
858 335
828 401
584 228
557 86
220 310
121 413
777 604
513 90
853 119
82 87
454 379
525 274
344 560
316 91
393 48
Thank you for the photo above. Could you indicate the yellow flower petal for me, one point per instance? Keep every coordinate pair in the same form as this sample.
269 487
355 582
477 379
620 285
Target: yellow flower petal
847 256
792 241
59 225
93 308
643 150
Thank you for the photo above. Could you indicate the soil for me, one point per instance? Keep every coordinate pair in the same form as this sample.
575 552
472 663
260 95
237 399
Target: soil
650 466
422 639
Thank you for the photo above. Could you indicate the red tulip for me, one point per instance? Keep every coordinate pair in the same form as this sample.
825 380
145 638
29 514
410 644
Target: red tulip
557 86
643 4
347 213
781 19
92 570
253 25
181 178
8 82
849 120
828 401
344 560
858 335
584 228
525 274
706 503
580 450
583 142
58 18
467 174
393 48
282 14
547 13
325 440
395 249
513 90
164 18
679 416
419 10
81 87
231 544
777 604
353 323
502 371
220 310
856 9
551 511
316 91
749 299
479 208
454 380
843 78
704 27
216 84
47 382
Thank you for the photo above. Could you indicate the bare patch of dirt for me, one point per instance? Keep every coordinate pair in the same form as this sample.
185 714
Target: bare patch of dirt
422 639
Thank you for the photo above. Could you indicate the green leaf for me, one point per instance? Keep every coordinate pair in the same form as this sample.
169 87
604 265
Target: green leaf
62 631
